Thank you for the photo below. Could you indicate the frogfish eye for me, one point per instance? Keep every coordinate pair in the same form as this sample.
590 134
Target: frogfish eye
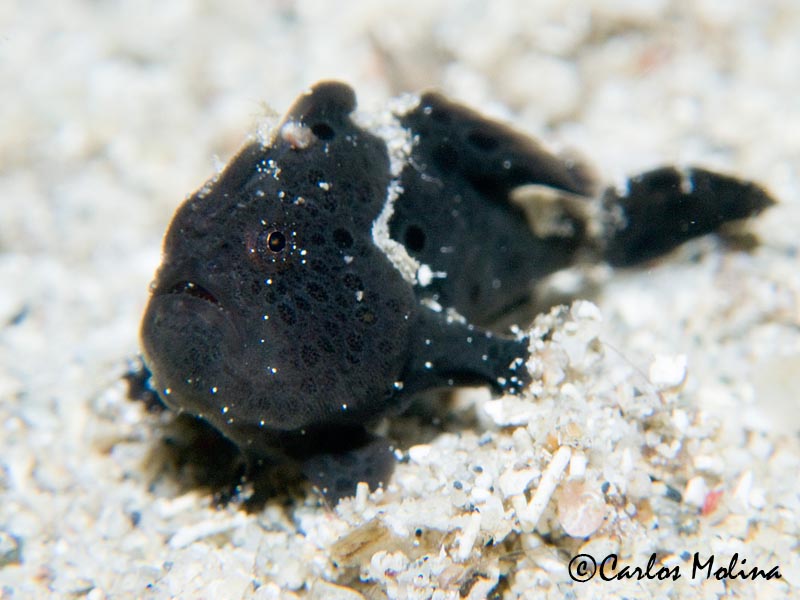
268 248
276 241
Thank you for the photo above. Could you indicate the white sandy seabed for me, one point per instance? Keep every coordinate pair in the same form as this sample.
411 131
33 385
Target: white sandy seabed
667 413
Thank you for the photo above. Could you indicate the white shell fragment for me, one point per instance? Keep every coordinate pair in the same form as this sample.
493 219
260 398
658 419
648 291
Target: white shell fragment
515 482
529 517
189 535
696 491
581 509
668 371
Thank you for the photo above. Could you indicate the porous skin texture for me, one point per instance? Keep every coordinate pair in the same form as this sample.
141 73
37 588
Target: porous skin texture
272 314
